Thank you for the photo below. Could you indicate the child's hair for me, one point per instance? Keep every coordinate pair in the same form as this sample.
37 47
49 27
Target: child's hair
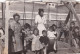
26 25
51 27
76 27
44 31
37 31
72 23
16 14
54 25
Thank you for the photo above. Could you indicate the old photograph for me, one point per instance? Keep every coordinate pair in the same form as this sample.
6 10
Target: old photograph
40 27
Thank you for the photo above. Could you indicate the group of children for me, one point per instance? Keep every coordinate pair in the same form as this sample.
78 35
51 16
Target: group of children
40 44
46 43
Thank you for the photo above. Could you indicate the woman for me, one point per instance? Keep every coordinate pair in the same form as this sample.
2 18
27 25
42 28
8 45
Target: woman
16 27
40 21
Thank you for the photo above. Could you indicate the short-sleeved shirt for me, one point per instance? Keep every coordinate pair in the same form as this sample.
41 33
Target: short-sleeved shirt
52 34
40 21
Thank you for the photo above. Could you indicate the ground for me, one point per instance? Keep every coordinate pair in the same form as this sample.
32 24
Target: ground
63 48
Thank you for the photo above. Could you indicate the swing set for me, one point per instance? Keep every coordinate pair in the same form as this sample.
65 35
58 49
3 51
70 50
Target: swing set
69 5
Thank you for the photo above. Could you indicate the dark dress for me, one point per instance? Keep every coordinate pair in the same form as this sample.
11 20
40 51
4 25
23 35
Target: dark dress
44 39
11 47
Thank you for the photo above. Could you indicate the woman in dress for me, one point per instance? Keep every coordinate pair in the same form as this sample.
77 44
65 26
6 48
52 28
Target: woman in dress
40 21
17 41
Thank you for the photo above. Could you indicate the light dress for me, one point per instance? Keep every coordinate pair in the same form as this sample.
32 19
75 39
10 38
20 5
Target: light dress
16 27
40 21
36 44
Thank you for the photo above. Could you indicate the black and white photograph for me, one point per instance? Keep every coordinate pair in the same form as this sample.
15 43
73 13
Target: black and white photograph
40 27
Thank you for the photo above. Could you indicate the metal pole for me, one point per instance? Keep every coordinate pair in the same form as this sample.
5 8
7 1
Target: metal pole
7 15
32 14
3 15
24 14
48 16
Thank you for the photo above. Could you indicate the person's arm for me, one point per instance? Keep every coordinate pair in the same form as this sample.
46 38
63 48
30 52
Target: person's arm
12 27
36 21
55 35
45 22
41 39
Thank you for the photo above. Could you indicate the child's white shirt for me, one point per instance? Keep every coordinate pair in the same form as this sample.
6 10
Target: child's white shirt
51 34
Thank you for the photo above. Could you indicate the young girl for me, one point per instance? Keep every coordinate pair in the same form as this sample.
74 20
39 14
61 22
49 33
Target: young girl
36 44
44 40
52 34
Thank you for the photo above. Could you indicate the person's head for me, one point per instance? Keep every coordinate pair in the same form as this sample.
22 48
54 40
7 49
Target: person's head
72 24
54 27
51 28
27 28
76 29
44 32
36 31
41 12
16 17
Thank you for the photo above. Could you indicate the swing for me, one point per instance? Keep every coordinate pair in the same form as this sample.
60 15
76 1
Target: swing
32 15
55 44
24 14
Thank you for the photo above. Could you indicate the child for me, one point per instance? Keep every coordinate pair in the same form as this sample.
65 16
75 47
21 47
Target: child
36 44
2 39
76 37
44 40
25 37
52 35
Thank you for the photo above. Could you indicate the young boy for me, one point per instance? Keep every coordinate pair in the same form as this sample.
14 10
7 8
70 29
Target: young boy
76 37
52 35
44 40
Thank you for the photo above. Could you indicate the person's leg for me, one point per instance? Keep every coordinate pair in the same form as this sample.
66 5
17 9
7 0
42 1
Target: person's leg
36 52
20 52
66 36
55 46
75 43
41 51
61 32
44 50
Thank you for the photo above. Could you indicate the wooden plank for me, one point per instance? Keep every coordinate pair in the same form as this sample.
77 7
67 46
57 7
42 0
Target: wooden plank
3 15
7 15
71 8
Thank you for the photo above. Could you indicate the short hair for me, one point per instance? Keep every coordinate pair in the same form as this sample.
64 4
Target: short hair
26 25
37 31
54 25
51 27
73 22
44 31
76 27
16 14
40 10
